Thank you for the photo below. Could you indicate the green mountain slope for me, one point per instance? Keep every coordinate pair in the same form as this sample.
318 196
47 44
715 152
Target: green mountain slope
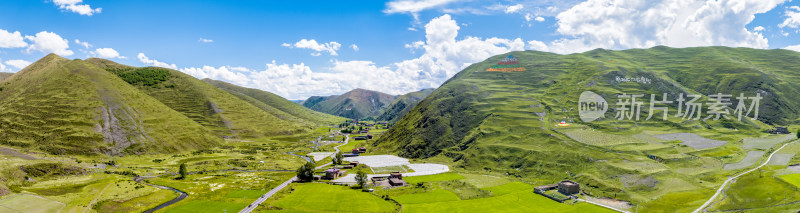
216 109
403 104
506 122
355 104
276 104
4 75
73 107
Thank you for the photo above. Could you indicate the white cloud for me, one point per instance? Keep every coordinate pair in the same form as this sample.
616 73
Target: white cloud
621 24
412 29
758 29
444 56
152 62
107 53
204 40
355 47
793 48
413 6
19 64
3 67
83 43
48 42
539 19
537 45
330 47
792 18
76 7
11 40
514 8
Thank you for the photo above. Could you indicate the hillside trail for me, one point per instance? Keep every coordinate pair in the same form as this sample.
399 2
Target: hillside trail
724 185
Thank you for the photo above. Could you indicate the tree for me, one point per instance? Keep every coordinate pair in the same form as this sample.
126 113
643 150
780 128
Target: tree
306 172
339 158
798 133
334 160
361 178
182 171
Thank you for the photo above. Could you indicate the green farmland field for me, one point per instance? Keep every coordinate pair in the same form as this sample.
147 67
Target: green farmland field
522 201
439 195
433 178
324 197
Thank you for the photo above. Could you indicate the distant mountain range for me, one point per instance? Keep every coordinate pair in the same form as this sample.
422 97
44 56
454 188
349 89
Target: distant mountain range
97 106
403 104
363 104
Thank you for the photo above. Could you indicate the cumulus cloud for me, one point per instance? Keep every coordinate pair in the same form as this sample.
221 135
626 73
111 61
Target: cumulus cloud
204 40
47 42
514 8
19 64
413 6
792 18
3 67
152 62
793 48
758 29
620 24
76 6
83 43
107 53
330 47
443 57
11 40
539 19
355 47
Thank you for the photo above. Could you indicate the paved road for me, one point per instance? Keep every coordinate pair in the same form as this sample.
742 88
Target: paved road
269 194
724 184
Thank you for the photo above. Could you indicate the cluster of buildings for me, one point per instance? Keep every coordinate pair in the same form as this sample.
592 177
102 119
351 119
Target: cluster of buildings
567 188
395 179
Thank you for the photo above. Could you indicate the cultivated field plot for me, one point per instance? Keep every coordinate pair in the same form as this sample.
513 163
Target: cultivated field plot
317 156
433 178
520 201
597 138
793 179
483 181
781 159
509 188
644 167
749 160
692 140
25 203
439 195
766 142
331 198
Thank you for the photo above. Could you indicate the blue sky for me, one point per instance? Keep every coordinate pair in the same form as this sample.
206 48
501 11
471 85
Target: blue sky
298 49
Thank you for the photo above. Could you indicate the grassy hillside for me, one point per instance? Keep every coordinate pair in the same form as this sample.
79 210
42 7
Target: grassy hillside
505 122
216 109
275 104
73 107
403 104
356 104
4 75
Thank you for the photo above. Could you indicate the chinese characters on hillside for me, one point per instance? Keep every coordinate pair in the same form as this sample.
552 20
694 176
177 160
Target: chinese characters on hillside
689 107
